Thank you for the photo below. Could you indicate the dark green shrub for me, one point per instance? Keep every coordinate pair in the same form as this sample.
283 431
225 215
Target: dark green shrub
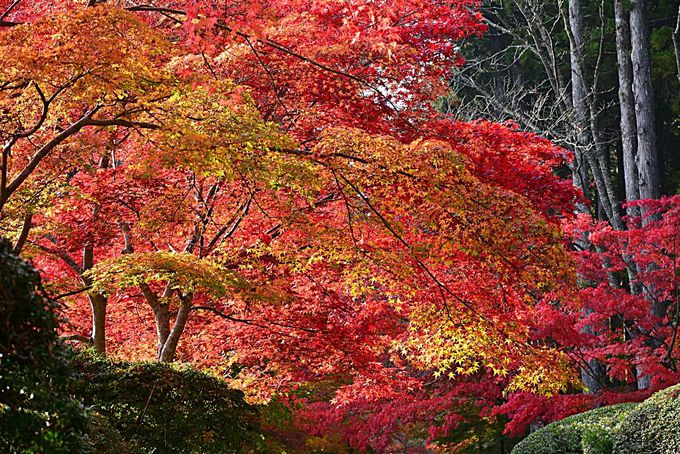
35 413
591 432
152 407
653 427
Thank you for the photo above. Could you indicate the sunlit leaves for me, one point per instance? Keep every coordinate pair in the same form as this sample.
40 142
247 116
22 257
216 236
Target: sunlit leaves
181 271
277 168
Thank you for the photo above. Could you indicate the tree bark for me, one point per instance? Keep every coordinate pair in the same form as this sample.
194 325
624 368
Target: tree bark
23 235
586 134
161 315
676 43
579 96
98 303
627 106
578 86
169 349
647 159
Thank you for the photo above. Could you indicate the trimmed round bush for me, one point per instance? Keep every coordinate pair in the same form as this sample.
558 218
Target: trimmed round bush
591 432
653 427
155 408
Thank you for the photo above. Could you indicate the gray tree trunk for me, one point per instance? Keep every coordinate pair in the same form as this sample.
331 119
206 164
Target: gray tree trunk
590 372
583 110
647 159
579 92
676 43
627 105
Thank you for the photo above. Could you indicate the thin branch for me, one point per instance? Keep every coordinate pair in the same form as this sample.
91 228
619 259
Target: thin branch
44 151
72 293
676 43
9 9
121 122
275 88
239 320
225 232
23 235
282 48
70 261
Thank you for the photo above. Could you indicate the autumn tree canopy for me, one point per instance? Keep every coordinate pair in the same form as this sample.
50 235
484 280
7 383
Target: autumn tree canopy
266 189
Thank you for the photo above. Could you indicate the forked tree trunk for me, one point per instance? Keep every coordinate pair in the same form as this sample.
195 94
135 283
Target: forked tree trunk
161 315
167 338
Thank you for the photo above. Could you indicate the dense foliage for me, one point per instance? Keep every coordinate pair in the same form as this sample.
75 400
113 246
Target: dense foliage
36 412
648 427
269 190
149 407
592 432
652 426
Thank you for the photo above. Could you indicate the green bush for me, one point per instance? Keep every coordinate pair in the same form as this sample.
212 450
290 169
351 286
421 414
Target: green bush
653 427
36 414
156 408
591 432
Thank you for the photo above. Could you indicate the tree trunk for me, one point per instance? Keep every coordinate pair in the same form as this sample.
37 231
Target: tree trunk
98 303
578 86
98 337
161 314
168 351
627 106
647 159
586 134
23 235
580 110
676 43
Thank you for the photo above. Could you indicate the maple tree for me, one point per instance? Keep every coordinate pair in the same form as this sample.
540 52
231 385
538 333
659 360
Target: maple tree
270 184
632 291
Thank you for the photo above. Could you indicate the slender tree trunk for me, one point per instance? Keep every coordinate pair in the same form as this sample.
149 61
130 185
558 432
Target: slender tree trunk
579 174
583 112
162 317
578 86
627 106
98 303
579 95
647 159
628 121
168 351
676 43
